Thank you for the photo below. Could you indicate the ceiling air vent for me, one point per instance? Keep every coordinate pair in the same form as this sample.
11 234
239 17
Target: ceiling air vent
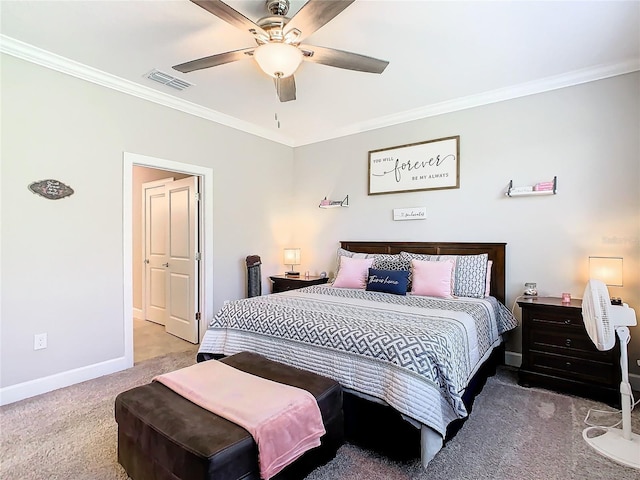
168 80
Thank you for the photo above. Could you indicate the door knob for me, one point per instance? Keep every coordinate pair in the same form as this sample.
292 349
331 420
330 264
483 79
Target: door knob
146 260
165 264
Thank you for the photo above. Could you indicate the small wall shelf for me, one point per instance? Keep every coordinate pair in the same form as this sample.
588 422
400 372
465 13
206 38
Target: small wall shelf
334 203
531 190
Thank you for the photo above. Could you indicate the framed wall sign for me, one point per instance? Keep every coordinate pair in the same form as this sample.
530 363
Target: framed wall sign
430 165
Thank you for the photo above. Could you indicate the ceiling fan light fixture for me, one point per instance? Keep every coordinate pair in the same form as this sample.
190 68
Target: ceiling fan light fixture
279 60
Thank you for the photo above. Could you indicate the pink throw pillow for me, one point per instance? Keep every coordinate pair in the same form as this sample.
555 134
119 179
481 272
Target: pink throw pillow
432 279
353 272
487 290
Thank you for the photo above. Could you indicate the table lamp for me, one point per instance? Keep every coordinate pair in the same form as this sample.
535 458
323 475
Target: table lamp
292 257
608 270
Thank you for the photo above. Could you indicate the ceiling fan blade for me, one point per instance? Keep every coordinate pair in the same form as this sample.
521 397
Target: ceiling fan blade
314 14
231 16
286 88
340 59
215 60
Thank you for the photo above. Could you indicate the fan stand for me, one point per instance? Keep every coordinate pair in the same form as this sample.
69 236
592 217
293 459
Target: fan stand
620 445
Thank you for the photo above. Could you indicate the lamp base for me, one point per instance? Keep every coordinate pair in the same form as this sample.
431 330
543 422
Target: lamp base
292 274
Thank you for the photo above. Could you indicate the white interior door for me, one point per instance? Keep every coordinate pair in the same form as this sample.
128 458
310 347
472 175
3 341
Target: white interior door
155 253
182 262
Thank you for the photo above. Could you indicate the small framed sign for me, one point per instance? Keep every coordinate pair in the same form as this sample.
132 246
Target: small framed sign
416 213
430 165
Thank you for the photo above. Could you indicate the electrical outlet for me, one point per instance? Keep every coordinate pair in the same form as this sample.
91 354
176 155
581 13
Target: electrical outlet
39 341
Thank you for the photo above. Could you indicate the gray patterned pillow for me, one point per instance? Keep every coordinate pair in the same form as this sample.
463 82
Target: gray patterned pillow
381 261
395 262
470 272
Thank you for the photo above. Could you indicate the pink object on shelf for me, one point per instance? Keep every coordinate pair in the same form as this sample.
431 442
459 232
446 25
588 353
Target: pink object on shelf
566 298
543 186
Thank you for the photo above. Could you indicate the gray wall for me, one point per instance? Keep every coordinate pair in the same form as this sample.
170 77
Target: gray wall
587 136
62 260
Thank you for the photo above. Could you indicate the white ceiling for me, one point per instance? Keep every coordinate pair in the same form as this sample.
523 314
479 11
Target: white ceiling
443 56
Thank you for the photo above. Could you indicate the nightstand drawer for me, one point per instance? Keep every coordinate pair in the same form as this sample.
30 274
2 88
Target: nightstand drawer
545 318
285 287
566 342
572 367
283 283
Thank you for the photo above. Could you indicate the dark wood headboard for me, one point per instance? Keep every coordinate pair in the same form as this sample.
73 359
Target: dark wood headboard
496 253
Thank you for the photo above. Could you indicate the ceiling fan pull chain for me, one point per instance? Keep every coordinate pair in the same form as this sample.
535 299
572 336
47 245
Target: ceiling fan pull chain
278 87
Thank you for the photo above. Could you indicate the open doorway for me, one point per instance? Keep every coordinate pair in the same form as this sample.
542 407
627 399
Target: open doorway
136 169
158 278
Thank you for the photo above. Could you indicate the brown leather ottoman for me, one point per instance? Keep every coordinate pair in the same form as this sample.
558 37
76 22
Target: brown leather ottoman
161 435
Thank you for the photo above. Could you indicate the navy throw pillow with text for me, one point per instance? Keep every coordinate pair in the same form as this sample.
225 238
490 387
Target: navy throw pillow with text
388 281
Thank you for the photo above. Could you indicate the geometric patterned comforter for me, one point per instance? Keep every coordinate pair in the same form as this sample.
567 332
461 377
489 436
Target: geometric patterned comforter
415 353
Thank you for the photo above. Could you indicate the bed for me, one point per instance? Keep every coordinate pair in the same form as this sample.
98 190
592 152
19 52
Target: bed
423 357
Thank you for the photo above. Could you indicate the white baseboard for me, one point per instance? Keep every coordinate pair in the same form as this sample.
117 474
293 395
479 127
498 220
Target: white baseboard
514 359
20 391
137 313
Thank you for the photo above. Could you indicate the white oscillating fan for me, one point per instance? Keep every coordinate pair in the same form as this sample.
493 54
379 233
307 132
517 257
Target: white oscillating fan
603 321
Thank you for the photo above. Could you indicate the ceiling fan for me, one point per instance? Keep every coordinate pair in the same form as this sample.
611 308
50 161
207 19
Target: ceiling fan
279 51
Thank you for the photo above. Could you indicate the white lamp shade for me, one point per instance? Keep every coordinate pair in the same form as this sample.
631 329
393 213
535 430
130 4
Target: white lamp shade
278 59
292 256
606 269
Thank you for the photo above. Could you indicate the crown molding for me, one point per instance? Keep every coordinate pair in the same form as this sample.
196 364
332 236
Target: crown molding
50 60
44 58
547 84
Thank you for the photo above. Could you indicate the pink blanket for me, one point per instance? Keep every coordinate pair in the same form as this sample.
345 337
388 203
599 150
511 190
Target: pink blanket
284 421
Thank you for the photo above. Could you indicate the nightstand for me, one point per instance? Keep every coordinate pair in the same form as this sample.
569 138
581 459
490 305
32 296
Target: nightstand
558 354
282 283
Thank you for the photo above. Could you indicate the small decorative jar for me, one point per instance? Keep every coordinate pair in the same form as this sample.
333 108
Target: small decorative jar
530 289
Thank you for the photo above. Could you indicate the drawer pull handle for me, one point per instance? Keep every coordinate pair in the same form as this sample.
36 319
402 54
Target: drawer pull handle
568 364
568 342
567 321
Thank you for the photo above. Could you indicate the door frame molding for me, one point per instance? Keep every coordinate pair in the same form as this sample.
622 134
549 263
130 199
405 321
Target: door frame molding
206 239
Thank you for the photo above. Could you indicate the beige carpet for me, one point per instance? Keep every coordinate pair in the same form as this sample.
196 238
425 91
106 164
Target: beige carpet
513 433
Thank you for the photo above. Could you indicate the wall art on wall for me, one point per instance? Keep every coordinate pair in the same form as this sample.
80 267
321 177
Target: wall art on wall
430 165
415 213
51 189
